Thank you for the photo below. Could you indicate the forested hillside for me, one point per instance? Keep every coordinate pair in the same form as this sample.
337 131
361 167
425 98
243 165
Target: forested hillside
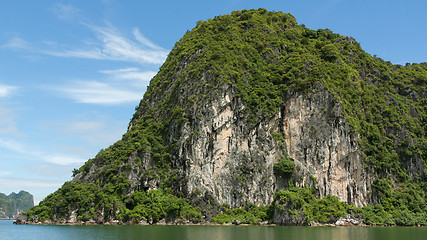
12 204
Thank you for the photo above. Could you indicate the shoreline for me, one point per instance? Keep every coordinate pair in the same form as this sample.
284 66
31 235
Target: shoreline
140 224
348 221
114 223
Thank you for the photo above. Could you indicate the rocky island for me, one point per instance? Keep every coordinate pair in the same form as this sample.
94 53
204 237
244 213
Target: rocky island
254 118
13 204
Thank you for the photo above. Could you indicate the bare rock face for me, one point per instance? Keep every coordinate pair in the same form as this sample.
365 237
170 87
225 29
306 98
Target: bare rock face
322 145
232 160
73 217
229 159
21 219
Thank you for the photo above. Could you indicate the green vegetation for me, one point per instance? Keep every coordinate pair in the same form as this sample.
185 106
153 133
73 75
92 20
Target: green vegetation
403 204
284 168
250 214
265 58
301 202
158 204
12 204
103 205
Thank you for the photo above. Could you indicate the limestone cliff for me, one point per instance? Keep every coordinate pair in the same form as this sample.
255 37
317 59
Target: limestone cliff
233 161
323 146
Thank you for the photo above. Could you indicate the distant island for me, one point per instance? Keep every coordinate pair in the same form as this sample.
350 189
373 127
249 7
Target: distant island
11 205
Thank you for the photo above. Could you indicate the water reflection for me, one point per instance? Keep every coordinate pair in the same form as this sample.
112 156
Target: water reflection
257 232
9 231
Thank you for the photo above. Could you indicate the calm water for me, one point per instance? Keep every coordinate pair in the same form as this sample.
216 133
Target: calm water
10 231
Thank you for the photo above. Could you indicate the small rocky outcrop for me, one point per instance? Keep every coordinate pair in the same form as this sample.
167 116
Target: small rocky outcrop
21 219
349 221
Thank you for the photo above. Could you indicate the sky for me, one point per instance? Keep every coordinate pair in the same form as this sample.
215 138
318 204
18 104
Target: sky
72 72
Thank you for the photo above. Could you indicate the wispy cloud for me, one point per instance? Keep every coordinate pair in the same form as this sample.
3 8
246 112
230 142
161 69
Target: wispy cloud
96 92
119 86
66 11
60 159
51 157
112 45
8 113
115 46
6 90
11 145
130 73
5 173
20 183
144 41
108 43
8 125
132 76
98 131
17 43
50 170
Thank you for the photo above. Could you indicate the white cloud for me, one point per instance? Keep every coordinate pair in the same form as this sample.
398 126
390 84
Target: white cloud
112 45
96 92
6 91
20 183
66 11
7 113
50 170
56 158
131 76
108 44
17 43
5 173
96 132
11 145
8 122
61 159
144 41
117 47
125 85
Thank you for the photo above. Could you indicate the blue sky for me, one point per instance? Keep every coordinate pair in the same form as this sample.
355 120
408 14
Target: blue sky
72 72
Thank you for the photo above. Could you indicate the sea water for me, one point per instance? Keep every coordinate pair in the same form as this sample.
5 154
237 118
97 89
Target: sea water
39 232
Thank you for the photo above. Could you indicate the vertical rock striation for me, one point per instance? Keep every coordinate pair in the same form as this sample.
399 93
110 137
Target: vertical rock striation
228 158
322 145
232 160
